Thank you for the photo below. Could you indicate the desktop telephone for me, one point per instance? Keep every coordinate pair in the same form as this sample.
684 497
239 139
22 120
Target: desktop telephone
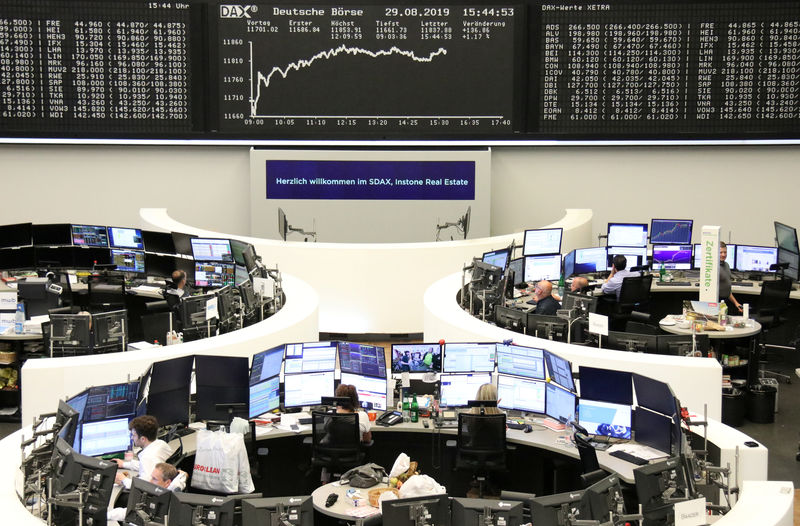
389 418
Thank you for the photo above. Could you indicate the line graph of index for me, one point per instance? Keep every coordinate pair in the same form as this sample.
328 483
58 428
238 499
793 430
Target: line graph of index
313 70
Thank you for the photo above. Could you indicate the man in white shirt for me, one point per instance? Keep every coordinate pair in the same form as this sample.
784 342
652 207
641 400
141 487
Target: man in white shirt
614 283
144 433
164 475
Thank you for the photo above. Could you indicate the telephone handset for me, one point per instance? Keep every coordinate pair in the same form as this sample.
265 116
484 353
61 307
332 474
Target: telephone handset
389 418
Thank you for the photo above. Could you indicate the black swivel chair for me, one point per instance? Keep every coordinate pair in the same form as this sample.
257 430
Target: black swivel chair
634 296
481 445
336 441
772 302
106 293
590 467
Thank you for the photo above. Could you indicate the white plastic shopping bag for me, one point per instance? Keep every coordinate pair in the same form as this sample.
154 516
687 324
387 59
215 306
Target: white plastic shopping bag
221 463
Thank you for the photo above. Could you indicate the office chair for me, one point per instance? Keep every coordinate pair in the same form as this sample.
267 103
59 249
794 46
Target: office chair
637 327
772 302
590 467
336 441
481 445
634 295
106 293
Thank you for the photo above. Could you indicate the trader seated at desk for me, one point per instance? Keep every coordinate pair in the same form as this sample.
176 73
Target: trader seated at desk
164 475
486 393
180 287
618 272
579 284
350 392
546 304
144 432
725 277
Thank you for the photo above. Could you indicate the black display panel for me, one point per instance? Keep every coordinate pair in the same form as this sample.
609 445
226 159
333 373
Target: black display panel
391 69
96 67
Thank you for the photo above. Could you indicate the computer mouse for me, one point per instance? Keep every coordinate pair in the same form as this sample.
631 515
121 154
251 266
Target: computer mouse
528 428
331 500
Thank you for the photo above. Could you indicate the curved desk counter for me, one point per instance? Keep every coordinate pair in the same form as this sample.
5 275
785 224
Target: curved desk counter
729 332
354 279
58 378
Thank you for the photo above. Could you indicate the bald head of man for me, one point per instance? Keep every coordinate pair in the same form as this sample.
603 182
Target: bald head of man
543 289
578 284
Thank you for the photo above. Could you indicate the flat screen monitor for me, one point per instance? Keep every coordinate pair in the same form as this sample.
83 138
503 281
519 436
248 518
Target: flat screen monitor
104 437
309 357
590 260
109 327
240 275
368 360
606 385
559 404
170 386
458 389
306 389
672 257
654 395
238 249
559 370
469 357
435 509
147 503
498 258
547 327
70 330
653 429
205 249
604 497
158 242
125 238
51 235
627 234
220 380
111 401
520 394
730 258
17 235
159 265
542 241
182 243
78 403
90 257
89 236
653 479
538 268
54 257
264 396
604 418
190 509
635 256
479 512
569 264
266 364
72 470
631 342
417 358
17 258
284 511
793 271
128 260
551 509
671 231
67 422
786 237
520 361
371 390
750 258
518 267
682 344
209 274
582 303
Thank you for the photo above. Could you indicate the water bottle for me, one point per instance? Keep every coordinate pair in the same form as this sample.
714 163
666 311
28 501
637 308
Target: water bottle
414 410
406 415
661 273
723 313
19 318
561 286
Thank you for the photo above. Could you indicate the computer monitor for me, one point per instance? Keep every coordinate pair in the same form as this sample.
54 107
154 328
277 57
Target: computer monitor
511 318
90 257
730 258
786 237
538 268
182 243
604 418
306 389
248 296
158 242
469 357
206 249
548 327
672 257
225 303
94 478
653 429
54 257
479 512
266 364
368 360
542 241
681 344
654 395
604 497
70 330
458 389
190 509
416 357
634 256
89 236
671 231
78 403
371 390
125 238
627 234
111 401
170 386
51 235
581 303
17 235
207 274
520 394
517 266
606 385
192 310
520 361
104 437
555 510
240 275
158 265
110 328
569 264
309 357
128 260
631 342
559 404
264 396
751 258
147 503
220 380
17 258
786 256
434 510
498 258
654 480
67 422
590 260
559 370
284 511
238 249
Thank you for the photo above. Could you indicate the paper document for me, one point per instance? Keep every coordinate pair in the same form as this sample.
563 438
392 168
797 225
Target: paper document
706 308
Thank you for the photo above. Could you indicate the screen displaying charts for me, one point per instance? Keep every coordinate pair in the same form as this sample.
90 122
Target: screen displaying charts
384 68
469 357
264 396
307 389
371 390
309 357
755 259
627 234
588 260
672 257
559 404
671 231
458 389
542 241
538 268
520 394
522 361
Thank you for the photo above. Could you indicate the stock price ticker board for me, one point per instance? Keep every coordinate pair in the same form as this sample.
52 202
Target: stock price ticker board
367 69
95 67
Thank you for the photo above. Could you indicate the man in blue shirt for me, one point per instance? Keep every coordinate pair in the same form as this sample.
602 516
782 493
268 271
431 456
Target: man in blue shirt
546 304
614 283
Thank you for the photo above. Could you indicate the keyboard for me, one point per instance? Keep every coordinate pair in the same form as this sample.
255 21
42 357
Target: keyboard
514 425
447 424
633 459
742 283
674 283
